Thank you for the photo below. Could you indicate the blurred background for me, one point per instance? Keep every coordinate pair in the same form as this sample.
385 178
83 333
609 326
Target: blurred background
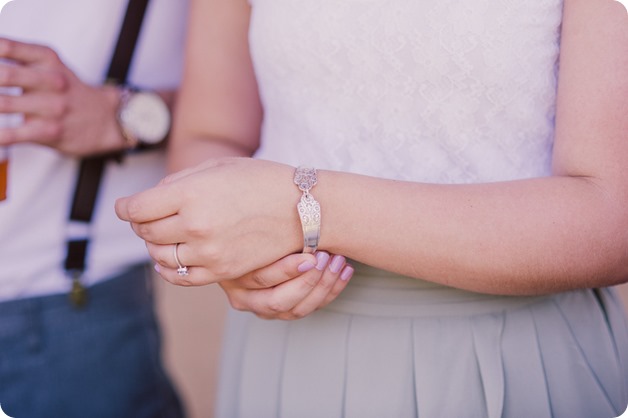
192 325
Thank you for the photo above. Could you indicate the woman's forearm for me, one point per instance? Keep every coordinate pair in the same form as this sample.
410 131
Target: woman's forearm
566 233
194 150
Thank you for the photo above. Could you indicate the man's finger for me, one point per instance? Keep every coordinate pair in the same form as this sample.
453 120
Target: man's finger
27 53
38 130
29 78
40 104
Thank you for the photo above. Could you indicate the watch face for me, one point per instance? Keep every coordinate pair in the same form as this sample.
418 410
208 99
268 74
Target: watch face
146 117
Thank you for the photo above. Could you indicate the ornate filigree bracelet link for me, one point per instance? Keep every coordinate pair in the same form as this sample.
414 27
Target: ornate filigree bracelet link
309 209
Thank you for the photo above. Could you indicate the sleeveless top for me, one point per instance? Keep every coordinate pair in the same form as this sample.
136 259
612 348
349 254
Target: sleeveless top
435 91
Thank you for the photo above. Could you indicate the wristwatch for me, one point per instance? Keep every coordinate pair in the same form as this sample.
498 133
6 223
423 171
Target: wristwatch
143 116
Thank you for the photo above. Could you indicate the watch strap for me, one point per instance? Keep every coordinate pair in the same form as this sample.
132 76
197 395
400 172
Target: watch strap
131 141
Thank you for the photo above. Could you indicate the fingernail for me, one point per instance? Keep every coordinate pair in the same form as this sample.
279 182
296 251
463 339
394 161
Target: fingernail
305 266
157 268
322 258
336 263
346 274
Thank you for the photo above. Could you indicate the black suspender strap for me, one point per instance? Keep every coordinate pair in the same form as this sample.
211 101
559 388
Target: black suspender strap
91 169
129 32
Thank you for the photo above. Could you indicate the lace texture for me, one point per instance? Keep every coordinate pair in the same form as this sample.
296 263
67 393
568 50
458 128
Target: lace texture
442 91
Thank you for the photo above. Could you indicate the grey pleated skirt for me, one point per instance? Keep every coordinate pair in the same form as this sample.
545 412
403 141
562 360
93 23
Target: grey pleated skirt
392 346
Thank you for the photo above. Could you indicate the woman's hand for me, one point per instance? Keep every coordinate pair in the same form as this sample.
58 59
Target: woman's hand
231 216
290 288
60 111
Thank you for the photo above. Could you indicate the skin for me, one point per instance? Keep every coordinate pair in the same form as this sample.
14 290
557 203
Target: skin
525 237
289 288
60 111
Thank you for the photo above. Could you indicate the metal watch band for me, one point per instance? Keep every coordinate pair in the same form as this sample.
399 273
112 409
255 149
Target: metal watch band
125 94
308 208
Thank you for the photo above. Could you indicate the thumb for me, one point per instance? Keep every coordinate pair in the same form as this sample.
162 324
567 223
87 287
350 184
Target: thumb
278 272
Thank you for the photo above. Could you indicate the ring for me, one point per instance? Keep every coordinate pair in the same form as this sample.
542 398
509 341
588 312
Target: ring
181 269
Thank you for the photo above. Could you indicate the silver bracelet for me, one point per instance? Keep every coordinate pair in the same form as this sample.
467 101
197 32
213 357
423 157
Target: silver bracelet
309 209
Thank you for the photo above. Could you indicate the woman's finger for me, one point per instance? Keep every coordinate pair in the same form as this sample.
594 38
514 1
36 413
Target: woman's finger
168 230
276 301
163 254
331 284
345 275
196 276
279 272
314 300
156 203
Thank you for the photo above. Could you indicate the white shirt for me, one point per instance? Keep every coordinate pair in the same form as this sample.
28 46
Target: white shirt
34 218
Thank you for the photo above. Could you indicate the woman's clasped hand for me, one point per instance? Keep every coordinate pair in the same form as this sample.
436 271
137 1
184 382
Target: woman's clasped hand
236 224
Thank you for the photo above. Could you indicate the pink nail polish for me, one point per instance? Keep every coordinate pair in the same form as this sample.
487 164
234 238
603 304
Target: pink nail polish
157 268
322 259
346 274
337 263
305 266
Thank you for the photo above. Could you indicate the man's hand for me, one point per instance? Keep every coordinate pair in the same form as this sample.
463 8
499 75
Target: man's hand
60 111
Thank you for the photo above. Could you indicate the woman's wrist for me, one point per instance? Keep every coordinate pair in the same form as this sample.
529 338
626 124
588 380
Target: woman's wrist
349 219
328 183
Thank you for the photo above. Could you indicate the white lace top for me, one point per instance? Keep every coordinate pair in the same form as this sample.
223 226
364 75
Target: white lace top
443 91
